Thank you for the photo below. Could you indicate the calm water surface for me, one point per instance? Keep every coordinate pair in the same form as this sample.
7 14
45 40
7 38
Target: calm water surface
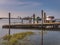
50 37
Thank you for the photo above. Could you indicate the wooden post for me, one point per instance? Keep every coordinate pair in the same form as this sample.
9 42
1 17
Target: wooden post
42 28
9 23
33 18
44 17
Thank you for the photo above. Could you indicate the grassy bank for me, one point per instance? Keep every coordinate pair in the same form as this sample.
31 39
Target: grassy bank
16 39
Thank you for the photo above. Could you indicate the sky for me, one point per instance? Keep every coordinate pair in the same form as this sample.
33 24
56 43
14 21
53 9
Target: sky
26 8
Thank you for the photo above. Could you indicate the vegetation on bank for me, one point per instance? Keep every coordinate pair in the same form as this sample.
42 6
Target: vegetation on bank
14 39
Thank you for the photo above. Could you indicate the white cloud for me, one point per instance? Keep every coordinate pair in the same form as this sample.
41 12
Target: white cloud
25 5
13 5
19 3
33 4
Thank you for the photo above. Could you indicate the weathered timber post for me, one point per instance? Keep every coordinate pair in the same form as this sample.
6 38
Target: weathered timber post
44 17
42 28
9 22
33 18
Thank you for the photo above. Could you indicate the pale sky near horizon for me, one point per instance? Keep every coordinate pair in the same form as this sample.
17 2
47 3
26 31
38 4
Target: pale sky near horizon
28 7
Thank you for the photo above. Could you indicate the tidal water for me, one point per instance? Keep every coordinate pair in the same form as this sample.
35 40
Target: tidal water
49 37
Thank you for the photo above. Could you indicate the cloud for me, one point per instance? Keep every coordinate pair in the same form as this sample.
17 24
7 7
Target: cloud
16 2
32 4
19 3
14 5
24 7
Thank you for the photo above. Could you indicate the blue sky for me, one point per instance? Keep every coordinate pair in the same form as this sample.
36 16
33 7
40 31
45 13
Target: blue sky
28 7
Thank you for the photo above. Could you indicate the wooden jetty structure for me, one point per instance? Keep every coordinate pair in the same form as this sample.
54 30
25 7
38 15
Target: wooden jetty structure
35 26
42 25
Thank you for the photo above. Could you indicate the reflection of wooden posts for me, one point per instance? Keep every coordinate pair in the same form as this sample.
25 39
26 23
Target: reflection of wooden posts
55 26
9 23
42 29
33 18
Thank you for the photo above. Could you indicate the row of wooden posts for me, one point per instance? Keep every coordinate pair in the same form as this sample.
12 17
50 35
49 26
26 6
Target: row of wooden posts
32 19
43 19
37 19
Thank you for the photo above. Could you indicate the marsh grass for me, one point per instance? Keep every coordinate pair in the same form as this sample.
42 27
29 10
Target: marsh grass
16 39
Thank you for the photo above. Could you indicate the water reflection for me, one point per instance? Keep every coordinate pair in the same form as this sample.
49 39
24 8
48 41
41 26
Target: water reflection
49 37
52 38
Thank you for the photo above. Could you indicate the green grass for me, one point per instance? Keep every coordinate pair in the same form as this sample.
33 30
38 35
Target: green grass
13 39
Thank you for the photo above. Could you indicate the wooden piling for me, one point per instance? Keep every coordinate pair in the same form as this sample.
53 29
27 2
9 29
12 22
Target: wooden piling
44 17
33 18
9 23
42 28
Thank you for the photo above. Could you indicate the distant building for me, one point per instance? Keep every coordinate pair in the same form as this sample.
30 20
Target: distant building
50 19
